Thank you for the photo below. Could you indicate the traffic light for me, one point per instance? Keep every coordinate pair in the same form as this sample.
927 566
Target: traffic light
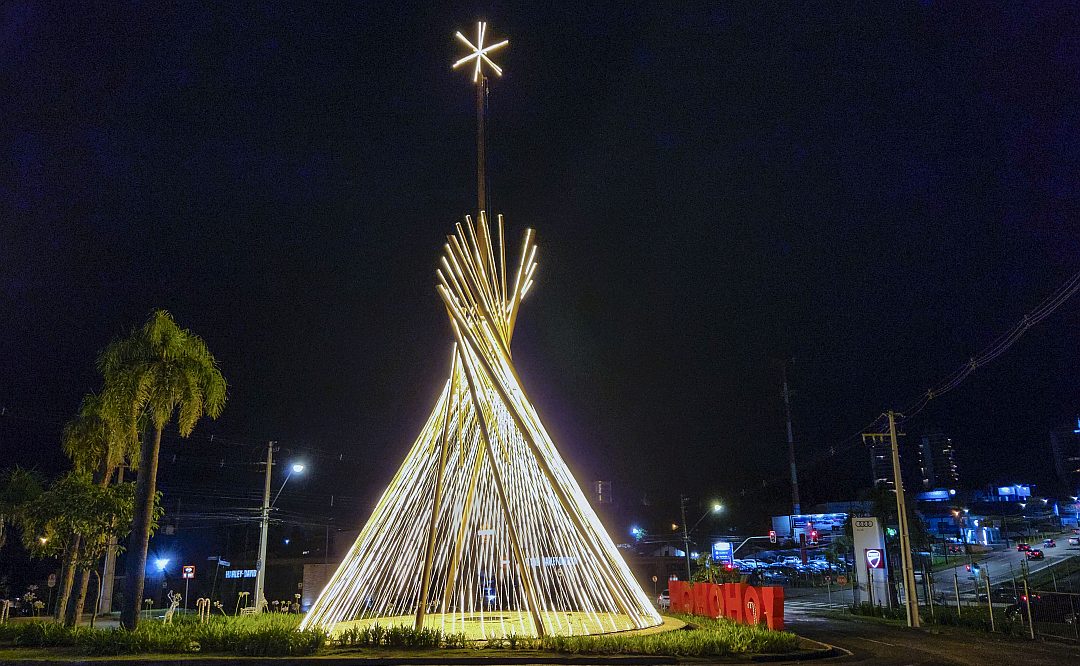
813 537
772 536
968 567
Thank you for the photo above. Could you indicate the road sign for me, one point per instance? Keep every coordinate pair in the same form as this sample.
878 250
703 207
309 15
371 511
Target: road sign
188 571
875 558
51 581
841 579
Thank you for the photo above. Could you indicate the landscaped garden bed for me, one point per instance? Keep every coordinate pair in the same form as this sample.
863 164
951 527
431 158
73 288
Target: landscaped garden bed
278 635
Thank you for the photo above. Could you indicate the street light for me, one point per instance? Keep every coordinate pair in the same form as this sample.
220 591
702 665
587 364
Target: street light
161 563
715 508
260 569
295 468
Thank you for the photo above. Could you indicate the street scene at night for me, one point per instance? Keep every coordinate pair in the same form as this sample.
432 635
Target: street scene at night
540 333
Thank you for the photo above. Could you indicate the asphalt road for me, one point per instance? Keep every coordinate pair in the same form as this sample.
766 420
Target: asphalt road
870 641
1002 566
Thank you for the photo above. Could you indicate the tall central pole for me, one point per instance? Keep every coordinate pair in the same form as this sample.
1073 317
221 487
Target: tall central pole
260 566
481 176
791 449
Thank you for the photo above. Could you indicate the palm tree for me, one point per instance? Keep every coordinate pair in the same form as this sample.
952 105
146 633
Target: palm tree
97 444
161 370
17 487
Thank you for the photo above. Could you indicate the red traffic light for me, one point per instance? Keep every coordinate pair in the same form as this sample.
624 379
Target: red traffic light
772 536
968 567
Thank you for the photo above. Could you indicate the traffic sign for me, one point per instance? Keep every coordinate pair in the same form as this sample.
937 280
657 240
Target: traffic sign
188 571
841 579
52 580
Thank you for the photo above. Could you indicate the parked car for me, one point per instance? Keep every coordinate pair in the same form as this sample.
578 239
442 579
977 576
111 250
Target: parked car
1035 554
1000 594
663 602
1052 609
1022 547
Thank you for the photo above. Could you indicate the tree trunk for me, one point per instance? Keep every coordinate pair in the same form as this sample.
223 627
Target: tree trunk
76 610
145 490
67 578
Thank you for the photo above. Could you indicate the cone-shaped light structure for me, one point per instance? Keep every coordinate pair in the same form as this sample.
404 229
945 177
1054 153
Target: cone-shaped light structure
483 530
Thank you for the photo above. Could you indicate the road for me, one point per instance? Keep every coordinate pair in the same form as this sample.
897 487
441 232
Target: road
871 641
812 614
1002 566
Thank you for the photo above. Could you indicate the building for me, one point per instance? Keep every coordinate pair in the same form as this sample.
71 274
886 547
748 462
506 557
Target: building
937 462
1065 450
881 471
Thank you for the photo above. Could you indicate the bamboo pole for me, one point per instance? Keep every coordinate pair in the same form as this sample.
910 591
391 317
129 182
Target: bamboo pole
425 580
526 580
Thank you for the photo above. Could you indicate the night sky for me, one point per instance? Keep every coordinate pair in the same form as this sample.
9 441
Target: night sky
875 189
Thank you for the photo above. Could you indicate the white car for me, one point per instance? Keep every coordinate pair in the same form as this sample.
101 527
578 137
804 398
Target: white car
1074 541
663 601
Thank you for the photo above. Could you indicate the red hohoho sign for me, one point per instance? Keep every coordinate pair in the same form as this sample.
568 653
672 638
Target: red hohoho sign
737 601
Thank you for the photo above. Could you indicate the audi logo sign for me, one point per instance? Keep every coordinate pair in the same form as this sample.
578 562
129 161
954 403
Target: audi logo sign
875 559
862 523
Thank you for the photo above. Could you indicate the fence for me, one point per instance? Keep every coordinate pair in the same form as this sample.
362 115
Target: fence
1053 614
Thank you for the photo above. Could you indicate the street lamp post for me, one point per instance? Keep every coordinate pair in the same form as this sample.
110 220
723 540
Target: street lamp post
260 566
716 508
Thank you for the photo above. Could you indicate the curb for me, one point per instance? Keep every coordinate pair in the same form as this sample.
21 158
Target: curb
819 651
569 660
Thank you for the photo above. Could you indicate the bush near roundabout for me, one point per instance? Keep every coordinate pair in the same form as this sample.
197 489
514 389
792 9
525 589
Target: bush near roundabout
277 635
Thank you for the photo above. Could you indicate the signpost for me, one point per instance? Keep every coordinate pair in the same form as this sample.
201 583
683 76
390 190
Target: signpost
187 572
51 582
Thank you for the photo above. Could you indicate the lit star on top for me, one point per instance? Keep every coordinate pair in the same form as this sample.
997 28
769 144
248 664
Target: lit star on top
479 51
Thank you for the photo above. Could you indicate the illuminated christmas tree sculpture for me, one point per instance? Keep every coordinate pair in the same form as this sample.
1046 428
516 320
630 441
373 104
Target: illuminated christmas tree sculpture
483 530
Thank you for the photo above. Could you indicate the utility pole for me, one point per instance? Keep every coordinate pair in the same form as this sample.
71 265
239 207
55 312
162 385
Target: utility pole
911 595
791 448
260 565
685 534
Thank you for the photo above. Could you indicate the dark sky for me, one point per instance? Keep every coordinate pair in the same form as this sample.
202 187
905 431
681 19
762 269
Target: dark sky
875 189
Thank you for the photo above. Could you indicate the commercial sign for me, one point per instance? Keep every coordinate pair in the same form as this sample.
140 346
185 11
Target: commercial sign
188 571
875 558
818 521
241 573
869 541
722 552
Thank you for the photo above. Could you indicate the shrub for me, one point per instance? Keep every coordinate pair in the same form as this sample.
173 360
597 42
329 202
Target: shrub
268 635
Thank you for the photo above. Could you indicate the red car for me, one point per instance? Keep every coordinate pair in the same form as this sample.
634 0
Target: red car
1034 554
1022 547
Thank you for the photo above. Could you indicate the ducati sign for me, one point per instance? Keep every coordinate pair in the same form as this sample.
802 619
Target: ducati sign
875 559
